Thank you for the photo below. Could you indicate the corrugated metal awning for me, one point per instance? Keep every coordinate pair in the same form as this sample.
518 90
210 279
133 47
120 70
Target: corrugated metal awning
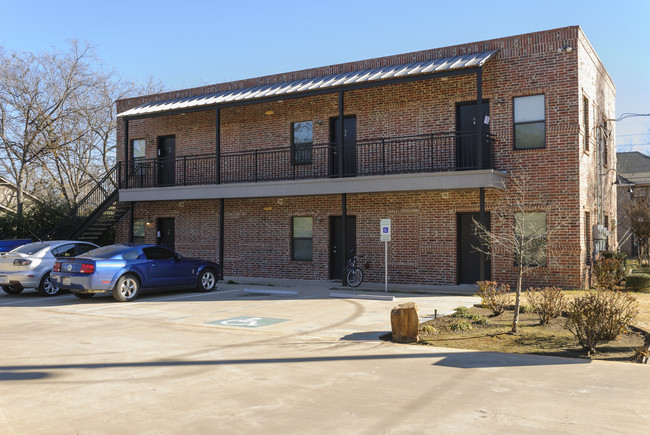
312 84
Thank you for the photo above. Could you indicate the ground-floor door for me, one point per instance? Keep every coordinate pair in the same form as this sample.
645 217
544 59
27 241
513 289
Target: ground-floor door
336 242
166 233
469 259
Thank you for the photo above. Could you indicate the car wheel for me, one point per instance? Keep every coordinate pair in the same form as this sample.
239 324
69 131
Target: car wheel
126 288
47 287
83 295
207 281
12 290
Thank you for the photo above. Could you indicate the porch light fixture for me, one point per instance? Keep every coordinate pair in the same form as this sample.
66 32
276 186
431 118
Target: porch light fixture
565 49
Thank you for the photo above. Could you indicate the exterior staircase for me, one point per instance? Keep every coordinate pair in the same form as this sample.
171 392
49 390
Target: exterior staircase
95 214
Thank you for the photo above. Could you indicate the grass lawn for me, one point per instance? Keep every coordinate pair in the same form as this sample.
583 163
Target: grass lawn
533 338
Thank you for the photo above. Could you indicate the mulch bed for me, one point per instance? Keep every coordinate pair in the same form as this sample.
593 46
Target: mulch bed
552 339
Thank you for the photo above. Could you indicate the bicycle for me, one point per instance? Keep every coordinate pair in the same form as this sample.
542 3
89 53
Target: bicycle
353 274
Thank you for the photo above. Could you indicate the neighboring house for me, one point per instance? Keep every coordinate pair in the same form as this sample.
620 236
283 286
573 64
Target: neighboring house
279 176
8 193
633 170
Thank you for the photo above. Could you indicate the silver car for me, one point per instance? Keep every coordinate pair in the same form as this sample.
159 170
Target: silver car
29 266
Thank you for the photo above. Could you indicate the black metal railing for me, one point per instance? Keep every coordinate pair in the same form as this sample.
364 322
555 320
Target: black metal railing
438 152
104 191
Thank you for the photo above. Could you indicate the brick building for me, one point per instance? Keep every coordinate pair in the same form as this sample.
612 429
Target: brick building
633 183
263 175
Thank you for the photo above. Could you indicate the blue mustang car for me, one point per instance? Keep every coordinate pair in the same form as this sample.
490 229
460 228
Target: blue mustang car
126 269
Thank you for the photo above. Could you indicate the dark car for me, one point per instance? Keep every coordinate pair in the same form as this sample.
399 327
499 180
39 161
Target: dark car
7 245
126 269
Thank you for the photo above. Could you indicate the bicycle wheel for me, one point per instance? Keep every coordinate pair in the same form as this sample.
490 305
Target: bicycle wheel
354 277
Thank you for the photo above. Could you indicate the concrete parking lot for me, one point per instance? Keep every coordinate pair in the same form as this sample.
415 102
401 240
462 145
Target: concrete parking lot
232 361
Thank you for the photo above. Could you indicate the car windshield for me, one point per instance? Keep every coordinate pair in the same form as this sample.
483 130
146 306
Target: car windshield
31 248
106 251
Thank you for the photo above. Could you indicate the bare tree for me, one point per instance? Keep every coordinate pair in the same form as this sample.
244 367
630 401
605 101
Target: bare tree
637 212
58 120
523 222
36 93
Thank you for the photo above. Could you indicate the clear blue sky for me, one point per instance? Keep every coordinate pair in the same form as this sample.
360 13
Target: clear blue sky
194 42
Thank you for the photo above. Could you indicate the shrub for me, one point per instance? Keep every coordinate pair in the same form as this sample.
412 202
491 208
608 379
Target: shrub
462 312
493 296
479 320
547 302
608 273
429 330
599 317
621 256
461 325
638 282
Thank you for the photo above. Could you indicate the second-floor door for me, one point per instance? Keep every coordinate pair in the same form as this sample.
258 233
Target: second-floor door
349 146
166 161
467 125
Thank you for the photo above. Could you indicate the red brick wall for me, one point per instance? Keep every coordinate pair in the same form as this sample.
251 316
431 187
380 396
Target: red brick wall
258 241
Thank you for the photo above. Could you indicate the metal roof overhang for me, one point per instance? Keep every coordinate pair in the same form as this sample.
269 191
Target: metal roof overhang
466 64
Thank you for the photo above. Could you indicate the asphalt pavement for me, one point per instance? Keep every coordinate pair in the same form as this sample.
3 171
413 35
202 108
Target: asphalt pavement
285 357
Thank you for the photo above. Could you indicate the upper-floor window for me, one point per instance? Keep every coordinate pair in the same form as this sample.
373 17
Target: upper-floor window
138 153
585 121
530 122
302 142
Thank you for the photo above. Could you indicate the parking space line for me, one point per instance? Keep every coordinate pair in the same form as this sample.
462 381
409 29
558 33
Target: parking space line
40 299
155 300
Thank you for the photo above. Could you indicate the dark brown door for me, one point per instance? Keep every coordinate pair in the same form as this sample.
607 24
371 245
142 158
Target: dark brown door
166 161
349 145
467 140
166 236
336 243
469 259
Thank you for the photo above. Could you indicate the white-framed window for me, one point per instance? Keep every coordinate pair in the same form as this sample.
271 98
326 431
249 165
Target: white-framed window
138 155
530 232
302 238
138 230
302 139
529 122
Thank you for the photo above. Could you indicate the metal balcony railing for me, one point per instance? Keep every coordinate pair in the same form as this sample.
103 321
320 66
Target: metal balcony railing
439 152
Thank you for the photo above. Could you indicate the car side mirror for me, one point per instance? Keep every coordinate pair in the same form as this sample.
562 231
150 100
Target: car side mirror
177 256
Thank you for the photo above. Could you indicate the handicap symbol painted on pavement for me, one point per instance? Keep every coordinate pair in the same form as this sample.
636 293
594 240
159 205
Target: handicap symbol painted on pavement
247 322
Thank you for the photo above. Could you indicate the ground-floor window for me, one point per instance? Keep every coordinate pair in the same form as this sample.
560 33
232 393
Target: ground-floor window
138 230
531 227
302 238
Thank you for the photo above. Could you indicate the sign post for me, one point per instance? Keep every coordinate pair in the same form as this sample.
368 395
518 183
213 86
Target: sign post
385 237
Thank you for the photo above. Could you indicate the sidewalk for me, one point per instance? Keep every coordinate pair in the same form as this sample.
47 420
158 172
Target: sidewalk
336 285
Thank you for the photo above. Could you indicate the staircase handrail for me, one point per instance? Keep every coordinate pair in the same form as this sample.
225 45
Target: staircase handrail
108 189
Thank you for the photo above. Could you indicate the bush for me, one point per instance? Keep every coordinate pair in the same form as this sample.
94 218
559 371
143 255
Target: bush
461 325
599 317
493 296
608 272
638 282
428 330
462 312
37 220
547 302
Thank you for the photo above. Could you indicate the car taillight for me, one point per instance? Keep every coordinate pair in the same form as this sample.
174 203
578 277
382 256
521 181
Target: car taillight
57 267
22 262
87 268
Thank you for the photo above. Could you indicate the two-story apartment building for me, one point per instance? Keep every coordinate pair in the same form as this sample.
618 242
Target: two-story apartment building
280 176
